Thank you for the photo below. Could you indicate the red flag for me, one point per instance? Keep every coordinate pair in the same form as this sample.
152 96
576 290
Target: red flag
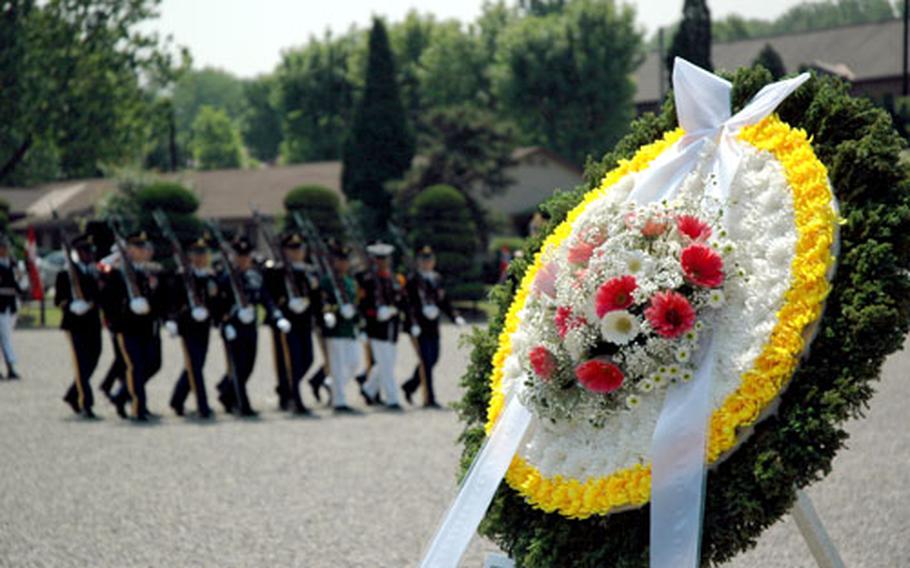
31 263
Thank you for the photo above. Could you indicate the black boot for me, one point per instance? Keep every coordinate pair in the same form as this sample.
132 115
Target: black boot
12 374
70 399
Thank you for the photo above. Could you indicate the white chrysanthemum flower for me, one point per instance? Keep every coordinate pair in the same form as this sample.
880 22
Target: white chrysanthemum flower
699 325
673 371
686 376
637 263
619 327
658 379
727 248
645 385
716 298
683 354
691 336
632 401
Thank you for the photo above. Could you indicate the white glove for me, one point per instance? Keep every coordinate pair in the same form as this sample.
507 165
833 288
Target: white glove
430 311
139 306
415 331
385 313
79 307
329 319
362 338
171 327
283 325
247 314
459 321
230 333
348 311
298 305
199 313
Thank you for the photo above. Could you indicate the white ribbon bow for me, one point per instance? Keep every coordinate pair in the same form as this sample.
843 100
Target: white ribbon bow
678 446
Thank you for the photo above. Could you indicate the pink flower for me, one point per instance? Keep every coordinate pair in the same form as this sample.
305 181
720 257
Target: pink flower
543 362
702 266
545 280
566 320
670 314
580 252
693 227
599 375
615 294
653 228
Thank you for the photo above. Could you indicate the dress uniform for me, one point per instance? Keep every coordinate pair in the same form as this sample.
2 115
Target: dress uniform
132 309
239 327
9 305
81 321
193 324
341 325
428 299
382 304
297 296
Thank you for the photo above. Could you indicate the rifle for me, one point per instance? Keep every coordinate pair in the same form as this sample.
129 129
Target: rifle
296 300
126 266
75 284
245 311
194 301
321 253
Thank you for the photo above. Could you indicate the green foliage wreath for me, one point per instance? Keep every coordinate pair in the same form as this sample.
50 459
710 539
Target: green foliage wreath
866 318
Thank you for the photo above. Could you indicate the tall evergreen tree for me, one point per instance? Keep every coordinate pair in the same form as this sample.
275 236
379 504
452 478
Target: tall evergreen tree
771 60
379 147
693 38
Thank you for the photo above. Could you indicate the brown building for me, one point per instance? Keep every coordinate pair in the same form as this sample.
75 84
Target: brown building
869 55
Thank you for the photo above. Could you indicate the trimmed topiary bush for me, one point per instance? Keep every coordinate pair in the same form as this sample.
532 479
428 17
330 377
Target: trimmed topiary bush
320 204
180 205
866 318
440 218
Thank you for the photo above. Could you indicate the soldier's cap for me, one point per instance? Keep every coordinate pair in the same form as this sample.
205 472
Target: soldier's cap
242 246
138 238
339 250
380 249
84 241
426 251
292 240
198 246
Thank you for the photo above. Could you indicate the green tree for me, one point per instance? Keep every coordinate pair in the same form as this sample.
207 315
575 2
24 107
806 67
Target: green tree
441 218
316 98
542 7
771 60
71 82
692 40
206 87
452 70
320 204
466 148
261 118
216 142
565 78
379 147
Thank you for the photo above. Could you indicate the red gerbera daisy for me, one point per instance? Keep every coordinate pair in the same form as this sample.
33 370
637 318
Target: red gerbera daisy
702 266
670 314
693 227
566 320
599 375
543 362
615 294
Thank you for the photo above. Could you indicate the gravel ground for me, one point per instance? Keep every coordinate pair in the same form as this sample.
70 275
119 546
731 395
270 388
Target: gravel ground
355 491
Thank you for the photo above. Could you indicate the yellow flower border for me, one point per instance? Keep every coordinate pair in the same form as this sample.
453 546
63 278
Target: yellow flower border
815 222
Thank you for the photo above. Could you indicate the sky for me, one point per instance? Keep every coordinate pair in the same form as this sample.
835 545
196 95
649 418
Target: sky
246 37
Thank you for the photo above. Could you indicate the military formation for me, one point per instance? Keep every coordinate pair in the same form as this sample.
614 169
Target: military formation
306 291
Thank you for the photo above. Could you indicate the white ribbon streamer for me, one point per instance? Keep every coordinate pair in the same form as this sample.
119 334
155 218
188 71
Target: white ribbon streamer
479 486
678 446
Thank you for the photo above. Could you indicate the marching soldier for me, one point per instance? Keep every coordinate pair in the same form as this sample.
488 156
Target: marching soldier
240 290
295 292
383 303
340 324
77 294
9 305
132 303
428 299
190 300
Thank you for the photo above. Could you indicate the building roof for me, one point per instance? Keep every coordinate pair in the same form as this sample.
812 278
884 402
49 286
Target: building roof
223 194
868 51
